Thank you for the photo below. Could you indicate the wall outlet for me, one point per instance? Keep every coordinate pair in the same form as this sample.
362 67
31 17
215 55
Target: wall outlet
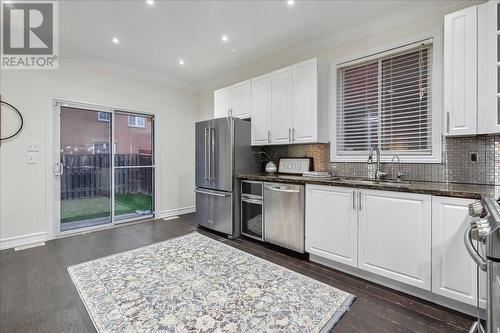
473 157
33 147
31 159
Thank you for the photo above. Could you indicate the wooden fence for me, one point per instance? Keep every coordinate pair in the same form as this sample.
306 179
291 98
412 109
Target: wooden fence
87 176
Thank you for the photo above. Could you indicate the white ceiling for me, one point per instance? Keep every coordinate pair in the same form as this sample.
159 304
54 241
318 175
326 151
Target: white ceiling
154 38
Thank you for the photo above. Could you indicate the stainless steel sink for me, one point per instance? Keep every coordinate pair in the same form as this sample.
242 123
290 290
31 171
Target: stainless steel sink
372 182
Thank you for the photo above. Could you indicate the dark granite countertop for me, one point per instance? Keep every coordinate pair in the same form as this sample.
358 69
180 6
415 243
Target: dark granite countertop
472 191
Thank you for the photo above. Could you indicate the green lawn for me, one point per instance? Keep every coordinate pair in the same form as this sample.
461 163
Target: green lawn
90 208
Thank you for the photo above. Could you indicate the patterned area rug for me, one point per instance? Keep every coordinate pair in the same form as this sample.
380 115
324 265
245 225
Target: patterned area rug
197 284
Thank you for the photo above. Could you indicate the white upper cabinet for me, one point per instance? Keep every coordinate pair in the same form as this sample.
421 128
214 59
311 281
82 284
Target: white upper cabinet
460 71
453 270
233 101
305 101
331 223
472 70
221 102
261 110
281 106
488 89
286 106
240 100
395 236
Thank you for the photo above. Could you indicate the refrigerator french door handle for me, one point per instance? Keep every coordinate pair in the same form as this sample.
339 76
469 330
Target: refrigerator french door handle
211 132
207 153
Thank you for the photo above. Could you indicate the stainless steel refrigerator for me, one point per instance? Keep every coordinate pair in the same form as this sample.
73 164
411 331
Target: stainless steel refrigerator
222 151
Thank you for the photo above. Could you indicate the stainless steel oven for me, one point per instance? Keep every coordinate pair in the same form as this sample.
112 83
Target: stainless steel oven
252 217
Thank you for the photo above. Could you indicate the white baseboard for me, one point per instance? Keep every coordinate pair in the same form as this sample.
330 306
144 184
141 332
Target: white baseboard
24 240
176 211
40 237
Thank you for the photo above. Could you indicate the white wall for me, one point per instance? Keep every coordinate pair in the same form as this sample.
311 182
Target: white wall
23 187
379 32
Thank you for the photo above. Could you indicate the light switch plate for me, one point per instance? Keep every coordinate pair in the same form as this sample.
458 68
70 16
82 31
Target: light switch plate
33 147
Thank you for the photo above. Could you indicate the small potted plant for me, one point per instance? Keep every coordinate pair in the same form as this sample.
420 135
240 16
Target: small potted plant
266 161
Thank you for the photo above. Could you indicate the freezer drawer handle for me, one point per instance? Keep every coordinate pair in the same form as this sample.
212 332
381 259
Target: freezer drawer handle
213 193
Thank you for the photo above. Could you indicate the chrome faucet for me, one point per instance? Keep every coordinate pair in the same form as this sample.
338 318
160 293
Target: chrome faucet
379 174
399 174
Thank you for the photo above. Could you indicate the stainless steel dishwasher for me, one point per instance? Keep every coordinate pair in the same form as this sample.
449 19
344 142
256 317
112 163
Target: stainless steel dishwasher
284 215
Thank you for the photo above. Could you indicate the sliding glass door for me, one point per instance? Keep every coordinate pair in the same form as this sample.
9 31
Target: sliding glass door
85 168
134 166
105 168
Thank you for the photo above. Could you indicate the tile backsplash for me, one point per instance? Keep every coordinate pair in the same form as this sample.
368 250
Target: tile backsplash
456 166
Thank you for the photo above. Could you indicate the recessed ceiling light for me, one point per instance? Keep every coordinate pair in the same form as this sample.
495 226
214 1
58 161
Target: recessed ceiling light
224 38
181 62
233 50
115 40
290 2
150 2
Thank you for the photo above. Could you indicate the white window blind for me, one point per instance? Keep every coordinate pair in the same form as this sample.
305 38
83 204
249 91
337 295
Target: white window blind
386 102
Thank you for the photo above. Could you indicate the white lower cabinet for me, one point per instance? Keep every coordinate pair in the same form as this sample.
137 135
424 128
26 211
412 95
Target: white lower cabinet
332 232
415 239
453 270
395 236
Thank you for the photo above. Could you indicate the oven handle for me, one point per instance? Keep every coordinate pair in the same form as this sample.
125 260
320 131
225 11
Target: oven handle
472 250
254 201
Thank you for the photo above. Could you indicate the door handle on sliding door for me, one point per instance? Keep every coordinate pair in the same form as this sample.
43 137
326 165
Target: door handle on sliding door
58 168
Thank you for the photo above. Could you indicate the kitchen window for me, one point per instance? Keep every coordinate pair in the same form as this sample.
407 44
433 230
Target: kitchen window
386 100
136 121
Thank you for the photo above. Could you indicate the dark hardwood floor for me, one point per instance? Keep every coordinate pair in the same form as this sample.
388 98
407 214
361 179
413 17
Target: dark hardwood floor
37 294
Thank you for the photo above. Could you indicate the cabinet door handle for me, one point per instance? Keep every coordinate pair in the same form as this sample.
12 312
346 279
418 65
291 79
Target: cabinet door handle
293 134
289 134
448 122
268 136
353 200
360 200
